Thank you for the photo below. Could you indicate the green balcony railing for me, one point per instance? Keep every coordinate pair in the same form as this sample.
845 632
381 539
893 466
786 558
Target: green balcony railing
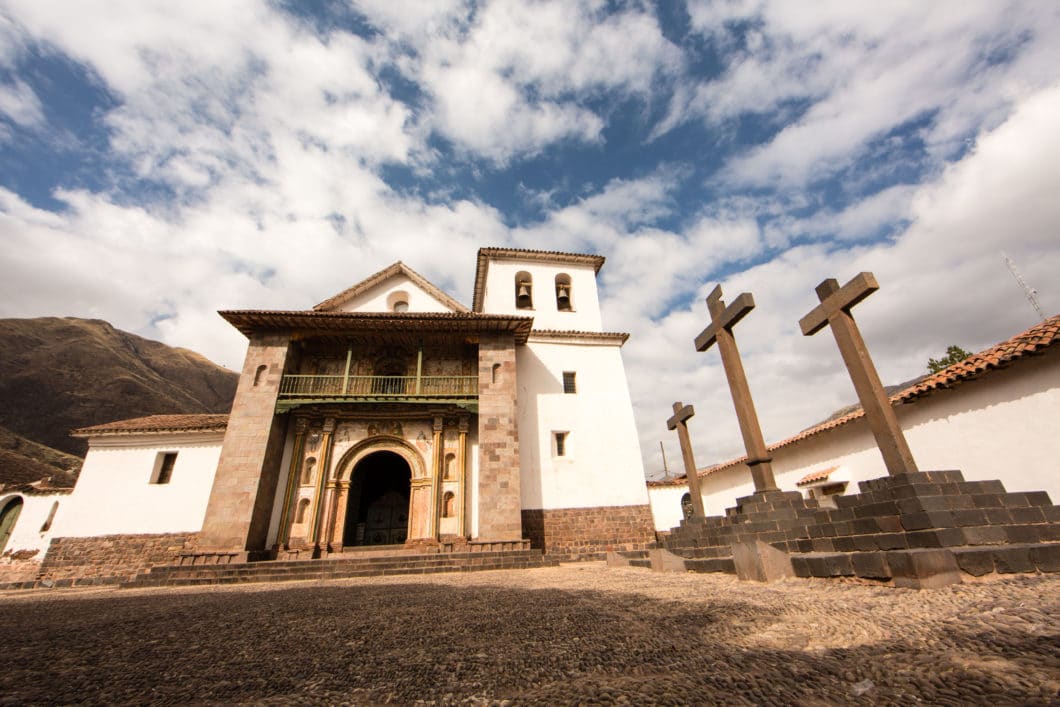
304 387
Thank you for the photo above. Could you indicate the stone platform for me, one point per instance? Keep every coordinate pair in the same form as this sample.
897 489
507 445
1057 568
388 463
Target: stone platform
363 564
912 528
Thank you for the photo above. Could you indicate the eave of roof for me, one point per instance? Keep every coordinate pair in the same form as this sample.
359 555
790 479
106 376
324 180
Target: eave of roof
1031 342
398 268
616 337
249 321
541 256
154 424
814 476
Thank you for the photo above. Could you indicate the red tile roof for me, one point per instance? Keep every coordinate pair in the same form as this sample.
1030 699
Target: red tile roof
819 475
157 423
1028 343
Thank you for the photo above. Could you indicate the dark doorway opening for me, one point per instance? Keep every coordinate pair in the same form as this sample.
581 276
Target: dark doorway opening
377 511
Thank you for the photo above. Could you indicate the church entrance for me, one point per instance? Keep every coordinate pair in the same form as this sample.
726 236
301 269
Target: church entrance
377 510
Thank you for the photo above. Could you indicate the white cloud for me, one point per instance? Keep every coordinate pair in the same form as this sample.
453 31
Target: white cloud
509 78
859 75
20 104
942 282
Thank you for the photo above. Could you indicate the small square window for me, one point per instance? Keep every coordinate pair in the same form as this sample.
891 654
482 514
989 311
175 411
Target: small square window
560 440
164 467
568 382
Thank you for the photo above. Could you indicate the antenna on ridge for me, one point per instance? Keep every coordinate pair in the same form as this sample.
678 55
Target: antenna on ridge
1030 292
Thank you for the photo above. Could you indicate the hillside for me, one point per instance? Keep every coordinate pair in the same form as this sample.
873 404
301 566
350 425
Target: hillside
23 462
58 374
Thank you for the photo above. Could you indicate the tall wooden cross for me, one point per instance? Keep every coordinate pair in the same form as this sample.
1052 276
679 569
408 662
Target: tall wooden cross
834 310
679 422
723 319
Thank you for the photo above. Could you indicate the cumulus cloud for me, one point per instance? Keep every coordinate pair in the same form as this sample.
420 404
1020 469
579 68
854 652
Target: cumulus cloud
507 78
251 162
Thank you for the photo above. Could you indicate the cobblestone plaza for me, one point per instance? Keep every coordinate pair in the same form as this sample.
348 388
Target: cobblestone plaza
572 634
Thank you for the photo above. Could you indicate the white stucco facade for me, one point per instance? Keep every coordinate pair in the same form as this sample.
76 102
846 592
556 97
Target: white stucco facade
115 493
1004 425
499 294
32 533
384 296
601 464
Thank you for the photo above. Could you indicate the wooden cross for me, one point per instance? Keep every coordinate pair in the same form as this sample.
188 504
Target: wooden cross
834 310
679 422
723 319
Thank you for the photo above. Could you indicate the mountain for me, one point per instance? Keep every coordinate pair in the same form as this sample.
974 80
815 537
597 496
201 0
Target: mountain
25 462
58 374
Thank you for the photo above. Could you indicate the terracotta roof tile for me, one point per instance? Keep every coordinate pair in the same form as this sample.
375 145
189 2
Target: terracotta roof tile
157 423
1028 343
819 475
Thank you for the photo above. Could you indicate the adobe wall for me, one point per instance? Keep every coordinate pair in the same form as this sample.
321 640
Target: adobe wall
587 533
108 559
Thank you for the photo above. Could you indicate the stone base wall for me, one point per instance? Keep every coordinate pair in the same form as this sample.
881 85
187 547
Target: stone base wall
19 569
108 559
588 533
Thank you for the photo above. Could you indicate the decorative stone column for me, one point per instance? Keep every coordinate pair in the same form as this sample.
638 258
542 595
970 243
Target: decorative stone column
294 470
461 470
437 462
317 527
338 514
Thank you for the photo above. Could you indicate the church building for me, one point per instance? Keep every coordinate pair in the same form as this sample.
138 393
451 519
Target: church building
388 415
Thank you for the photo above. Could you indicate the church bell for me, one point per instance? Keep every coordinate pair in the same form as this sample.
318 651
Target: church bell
522 298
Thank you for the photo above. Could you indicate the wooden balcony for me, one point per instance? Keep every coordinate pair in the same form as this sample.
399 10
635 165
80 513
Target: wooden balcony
298 390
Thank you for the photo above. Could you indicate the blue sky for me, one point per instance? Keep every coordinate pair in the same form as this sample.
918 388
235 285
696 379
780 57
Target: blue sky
160 161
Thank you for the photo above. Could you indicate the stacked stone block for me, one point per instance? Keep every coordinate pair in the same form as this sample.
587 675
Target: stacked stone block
906 525
107 559
237 516
498 440
588 533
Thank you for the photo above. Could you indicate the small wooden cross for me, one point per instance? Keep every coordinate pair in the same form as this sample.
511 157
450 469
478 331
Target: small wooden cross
679 422
723 319
834 310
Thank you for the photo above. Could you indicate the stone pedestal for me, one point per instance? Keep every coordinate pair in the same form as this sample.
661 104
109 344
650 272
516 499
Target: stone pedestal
886 531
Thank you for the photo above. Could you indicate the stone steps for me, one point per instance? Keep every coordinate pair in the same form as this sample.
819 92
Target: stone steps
337 568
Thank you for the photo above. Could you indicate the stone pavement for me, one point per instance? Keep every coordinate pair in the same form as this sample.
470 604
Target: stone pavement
571 634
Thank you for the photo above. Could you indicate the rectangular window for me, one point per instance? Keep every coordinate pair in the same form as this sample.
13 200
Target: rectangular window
164 467
568 382
560 439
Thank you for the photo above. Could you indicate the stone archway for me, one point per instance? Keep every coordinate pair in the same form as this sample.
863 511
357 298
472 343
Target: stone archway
398 460
377 507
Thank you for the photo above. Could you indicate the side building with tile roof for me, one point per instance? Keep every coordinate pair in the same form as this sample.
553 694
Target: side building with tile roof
994 415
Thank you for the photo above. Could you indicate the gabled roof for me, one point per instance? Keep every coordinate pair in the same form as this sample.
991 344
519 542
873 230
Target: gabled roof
540 256
1028 343
157 423
398 268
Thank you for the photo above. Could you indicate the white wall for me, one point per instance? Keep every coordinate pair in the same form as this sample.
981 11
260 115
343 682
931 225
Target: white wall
376 299
603 466
1004 426
114 495
499 295
666 505
27 533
